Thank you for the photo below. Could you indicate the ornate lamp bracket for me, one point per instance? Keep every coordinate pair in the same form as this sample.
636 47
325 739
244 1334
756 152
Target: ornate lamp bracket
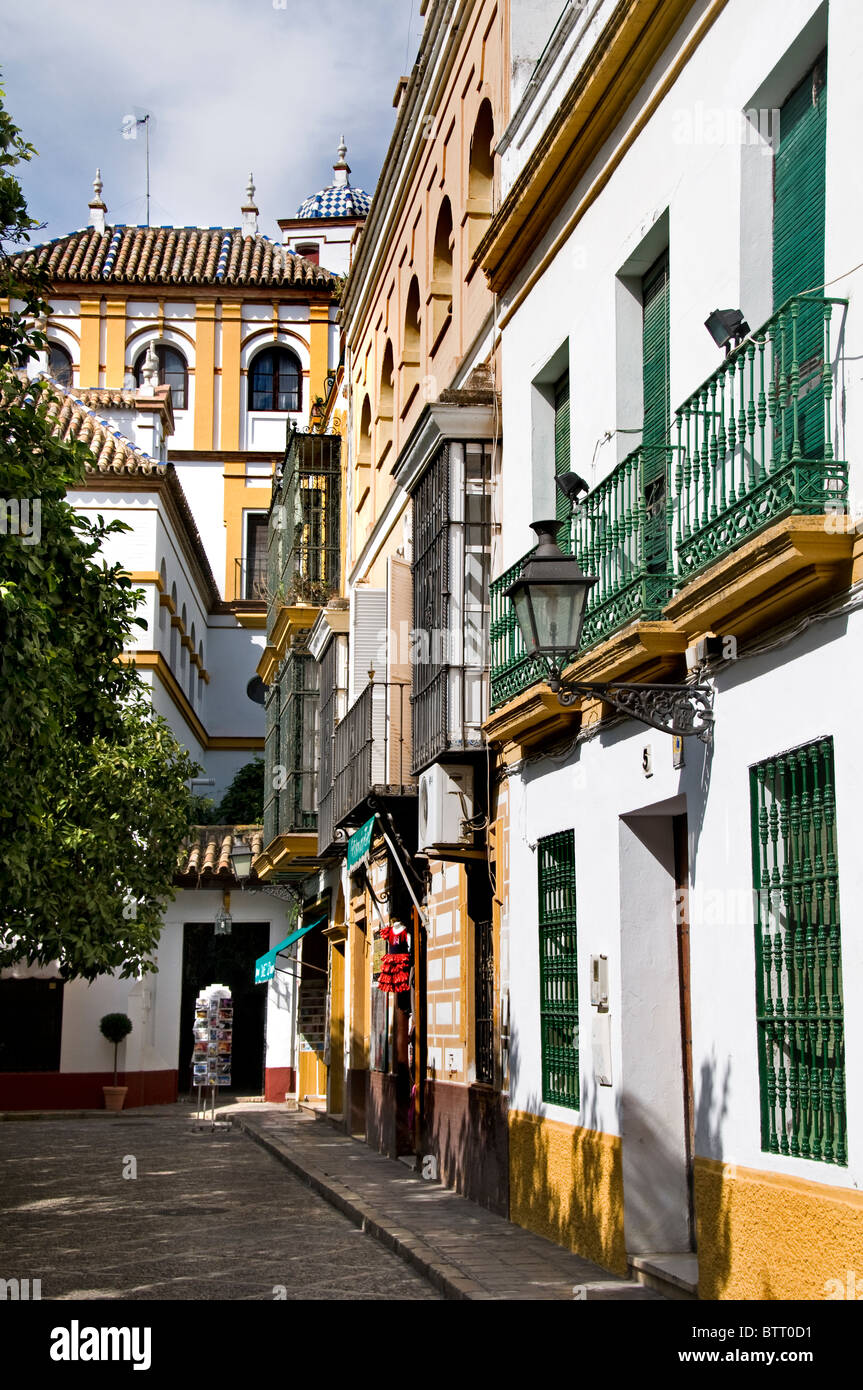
673 709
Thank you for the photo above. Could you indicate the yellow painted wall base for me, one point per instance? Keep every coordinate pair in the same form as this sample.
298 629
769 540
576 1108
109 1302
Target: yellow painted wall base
770 1236
566 1183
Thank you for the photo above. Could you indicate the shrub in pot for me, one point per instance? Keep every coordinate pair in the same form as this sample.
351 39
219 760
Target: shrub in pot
115 1027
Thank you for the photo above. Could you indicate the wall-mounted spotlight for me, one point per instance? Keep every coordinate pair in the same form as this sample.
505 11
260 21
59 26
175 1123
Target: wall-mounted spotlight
727 328
572 486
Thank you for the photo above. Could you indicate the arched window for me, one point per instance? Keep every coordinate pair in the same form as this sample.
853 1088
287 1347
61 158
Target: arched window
59 364
481 171
412 324
364 443
172 372
274 381
385 399
443 238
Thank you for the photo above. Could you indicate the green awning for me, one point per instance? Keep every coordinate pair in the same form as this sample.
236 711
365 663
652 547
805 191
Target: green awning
265 966
359 845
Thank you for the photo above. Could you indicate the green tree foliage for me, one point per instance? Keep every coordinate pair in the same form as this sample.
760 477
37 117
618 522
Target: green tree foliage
93 803
243 802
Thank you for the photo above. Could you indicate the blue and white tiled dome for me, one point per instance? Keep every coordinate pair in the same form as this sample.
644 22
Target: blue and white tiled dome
339 199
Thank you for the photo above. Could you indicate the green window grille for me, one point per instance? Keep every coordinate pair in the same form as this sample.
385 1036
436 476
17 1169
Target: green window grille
558 969
656 388
799 188
563 508
799 971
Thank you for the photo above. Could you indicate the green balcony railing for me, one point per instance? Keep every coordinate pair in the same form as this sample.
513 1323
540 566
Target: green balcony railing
755 440
753 444
620 534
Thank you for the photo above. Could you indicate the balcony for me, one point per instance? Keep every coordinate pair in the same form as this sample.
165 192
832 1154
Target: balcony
303 565
753 448
290 806
372 749
754 442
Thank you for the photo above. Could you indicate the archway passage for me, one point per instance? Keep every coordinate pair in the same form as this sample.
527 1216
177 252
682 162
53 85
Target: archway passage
226 960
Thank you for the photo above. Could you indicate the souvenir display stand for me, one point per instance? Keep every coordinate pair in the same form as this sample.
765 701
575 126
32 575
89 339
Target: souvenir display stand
211 1056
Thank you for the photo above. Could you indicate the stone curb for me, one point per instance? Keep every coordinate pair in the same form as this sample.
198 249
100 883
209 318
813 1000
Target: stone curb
449 1279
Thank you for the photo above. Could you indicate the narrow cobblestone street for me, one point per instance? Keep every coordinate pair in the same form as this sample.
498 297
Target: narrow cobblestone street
210 1215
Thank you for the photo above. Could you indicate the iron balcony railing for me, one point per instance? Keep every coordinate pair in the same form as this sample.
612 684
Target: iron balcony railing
753 444
619 534
755 441
250 579
304 525
372 748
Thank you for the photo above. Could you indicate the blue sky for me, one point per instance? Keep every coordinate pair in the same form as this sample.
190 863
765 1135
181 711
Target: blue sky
232 86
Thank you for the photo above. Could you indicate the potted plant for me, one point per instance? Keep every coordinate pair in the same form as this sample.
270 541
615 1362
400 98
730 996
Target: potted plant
115 1027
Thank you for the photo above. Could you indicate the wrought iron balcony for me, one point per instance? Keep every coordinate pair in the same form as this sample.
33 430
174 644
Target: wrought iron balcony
755 441
250 579
303 548
372 749
620 534
291 755
754 444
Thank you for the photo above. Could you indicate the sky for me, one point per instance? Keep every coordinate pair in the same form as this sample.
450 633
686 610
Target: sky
232 87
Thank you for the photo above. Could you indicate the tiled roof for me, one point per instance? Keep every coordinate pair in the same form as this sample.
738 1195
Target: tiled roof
206 852
113 453
175 256
338 200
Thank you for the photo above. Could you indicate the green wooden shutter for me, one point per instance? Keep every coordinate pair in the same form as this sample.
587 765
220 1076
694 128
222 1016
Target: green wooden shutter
558 969
563 508
798 236
656 383
798 188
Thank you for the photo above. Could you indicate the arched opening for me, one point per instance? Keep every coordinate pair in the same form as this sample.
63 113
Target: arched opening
59 364
363 471
163 608
480 179
385 404
442 261
411 347
172 372
172 659
192 674
275 381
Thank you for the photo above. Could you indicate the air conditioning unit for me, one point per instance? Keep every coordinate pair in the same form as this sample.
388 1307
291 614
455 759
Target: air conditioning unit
445 806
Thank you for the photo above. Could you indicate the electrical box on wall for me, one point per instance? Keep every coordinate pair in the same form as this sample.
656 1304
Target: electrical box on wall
599 981
445 806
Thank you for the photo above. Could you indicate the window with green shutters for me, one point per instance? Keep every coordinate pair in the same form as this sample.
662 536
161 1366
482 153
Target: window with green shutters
558 969
656 387
799 183
561 457
798 950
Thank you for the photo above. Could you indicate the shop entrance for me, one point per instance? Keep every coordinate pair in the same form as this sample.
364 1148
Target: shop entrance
226 960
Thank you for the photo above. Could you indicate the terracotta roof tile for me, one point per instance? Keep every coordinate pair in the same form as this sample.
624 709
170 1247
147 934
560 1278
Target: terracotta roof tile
175 255
73 420
206 852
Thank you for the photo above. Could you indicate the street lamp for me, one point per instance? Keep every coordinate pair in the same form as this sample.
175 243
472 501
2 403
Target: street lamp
550 600
727 328
241 860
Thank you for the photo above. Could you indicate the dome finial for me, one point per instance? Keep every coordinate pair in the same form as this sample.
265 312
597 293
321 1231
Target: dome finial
96 206
341 168
249 210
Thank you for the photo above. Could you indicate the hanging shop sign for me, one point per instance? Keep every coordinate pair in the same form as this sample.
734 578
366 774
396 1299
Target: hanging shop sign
360 845
265 965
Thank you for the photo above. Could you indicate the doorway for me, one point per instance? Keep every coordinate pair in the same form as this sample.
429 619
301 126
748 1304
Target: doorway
657 1096
226 960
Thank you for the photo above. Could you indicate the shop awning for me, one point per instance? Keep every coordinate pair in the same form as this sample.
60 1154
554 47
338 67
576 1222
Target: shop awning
359 846
265 966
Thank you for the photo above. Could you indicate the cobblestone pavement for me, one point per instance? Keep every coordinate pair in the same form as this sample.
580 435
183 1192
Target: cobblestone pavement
210 1215
469 1252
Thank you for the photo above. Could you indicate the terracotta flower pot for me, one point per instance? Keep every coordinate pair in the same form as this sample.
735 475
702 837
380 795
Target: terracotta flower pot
114 1096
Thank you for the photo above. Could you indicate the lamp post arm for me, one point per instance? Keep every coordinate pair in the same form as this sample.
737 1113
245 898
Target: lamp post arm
673 709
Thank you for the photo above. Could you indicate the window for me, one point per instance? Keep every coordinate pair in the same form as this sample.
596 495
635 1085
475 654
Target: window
59 364
274 381
799 183
255 569
801 1043
563 508
558 969
172 372
657 412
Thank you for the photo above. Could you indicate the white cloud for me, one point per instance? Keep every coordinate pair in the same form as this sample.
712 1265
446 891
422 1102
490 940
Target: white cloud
232 85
